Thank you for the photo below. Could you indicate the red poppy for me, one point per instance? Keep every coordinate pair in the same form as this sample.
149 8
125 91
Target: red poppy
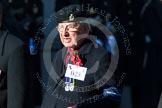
76 60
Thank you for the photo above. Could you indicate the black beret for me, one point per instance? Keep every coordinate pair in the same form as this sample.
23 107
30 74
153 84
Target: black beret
71 13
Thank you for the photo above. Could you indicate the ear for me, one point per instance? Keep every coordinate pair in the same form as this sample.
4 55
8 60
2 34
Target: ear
83 28
87 28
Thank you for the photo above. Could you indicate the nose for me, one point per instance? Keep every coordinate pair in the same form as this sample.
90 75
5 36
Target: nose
65 33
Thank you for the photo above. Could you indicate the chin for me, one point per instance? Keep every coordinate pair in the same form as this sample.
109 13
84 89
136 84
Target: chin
67 45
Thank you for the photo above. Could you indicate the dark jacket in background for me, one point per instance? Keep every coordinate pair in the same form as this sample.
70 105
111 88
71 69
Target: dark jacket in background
15 75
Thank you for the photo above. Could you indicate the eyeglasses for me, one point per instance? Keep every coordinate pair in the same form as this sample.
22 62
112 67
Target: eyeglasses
69 28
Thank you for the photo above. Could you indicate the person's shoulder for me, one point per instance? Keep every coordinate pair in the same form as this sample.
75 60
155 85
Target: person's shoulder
12 43
99 49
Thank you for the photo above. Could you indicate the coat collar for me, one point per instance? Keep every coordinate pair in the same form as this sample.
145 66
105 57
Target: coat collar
86 48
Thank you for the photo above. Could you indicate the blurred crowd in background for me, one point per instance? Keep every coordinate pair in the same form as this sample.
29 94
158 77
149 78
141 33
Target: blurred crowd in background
136 26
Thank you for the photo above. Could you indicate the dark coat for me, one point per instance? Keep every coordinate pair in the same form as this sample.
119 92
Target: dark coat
14 77
57 97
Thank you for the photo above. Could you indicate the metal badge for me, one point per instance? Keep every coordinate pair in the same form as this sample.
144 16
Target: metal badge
71 17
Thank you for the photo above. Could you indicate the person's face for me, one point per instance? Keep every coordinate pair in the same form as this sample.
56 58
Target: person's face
71 32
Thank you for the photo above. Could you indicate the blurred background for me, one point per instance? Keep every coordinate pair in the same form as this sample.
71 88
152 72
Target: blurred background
136 26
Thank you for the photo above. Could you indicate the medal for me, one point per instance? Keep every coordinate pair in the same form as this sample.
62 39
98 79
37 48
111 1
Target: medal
67 86
71 86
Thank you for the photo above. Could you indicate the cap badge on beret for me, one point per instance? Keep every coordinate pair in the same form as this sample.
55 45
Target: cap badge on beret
71 17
